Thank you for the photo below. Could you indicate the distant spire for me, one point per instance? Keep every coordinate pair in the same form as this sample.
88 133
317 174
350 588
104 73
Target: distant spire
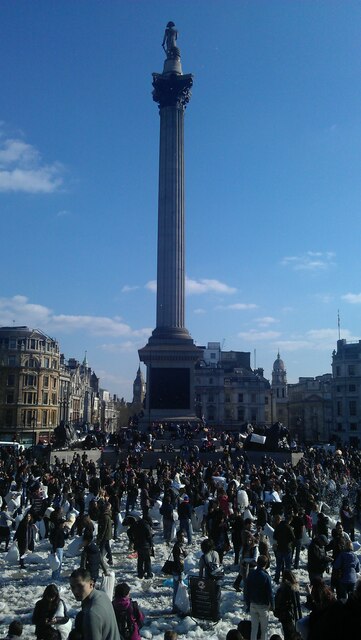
85 361
338 324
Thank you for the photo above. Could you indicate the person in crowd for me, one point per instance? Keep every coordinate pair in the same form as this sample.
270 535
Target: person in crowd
57 540
129 617
347 518
348 566
185 515
284 538
166 511
97 620
51 611
209 559
24 535
105 531
143 545
317 558
259 598
288 604
236 536
325 612
6 521
15 630
248 559
91 559
179 555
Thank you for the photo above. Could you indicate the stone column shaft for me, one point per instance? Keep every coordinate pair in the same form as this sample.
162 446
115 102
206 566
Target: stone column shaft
170 270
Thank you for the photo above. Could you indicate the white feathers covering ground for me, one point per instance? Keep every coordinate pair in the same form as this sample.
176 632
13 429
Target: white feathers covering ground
20 589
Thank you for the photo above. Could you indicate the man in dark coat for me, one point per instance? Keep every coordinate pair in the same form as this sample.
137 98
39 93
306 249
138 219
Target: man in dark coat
143 544
91 559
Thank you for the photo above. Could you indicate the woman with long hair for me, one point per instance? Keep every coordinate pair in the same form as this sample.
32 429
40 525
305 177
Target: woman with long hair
287 604
51 611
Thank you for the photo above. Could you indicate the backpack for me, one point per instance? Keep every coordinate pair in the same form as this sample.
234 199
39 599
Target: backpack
128 619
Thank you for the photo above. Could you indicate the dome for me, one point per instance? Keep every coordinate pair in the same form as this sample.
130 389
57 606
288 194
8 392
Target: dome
278 364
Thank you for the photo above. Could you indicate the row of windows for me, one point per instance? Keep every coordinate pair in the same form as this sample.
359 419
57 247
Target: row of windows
33 363
31 418
351 387
352 408
24 343
32 381
351 370
30 397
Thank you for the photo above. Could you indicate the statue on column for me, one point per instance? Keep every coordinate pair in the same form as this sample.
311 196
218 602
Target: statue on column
170 39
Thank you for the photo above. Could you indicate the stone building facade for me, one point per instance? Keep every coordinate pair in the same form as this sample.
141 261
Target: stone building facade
228 392
29 384
310 412
346 392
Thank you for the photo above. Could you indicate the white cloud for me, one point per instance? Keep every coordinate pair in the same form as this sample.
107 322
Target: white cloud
315 340
266 321
352 298
151 285
310 261
253 334
237 306
205 285
128 288
201 286
63 213
21 311
199 311
22 169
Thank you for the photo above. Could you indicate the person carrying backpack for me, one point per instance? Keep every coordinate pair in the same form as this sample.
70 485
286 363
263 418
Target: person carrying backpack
129 617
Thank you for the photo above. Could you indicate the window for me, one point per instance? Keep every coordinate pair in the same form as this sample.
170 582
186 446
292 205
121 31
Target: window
9 418
210 397
9 398
353 426
253 415
277 392
45 418
210 380
11 380
227 414
12 343
240 414
53 364
46 382
211 413
338 388
32 344
54 383
46 363
29 381
12 361
352 388
253 397
353 408
240 397
227 398
351 370
338 370
339 408
213 356
53 398
266 400
45 397
198 397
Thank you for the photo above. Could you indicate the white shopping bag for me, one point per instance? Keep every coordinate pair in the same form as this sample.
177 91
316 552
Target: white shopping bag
108 584
182 599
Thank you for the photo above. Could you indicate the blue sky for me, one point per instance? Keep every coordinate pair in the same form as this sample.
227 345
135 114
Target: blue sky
273 190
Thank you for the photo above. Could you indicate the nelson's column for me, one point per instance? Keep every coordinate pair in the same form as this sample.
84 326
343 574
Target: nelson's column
170 354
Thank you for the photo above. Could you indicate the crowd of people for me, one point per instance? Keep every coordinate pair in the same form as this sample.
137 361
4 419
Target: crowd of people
274 521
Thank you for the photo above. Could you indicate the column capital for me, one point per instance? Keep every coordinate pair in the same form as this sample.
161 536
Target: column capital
172 90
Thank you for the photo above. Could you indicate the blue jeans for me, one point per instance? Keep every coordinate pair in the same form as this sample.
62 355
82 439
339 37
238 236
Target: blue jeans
283 561
56 574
